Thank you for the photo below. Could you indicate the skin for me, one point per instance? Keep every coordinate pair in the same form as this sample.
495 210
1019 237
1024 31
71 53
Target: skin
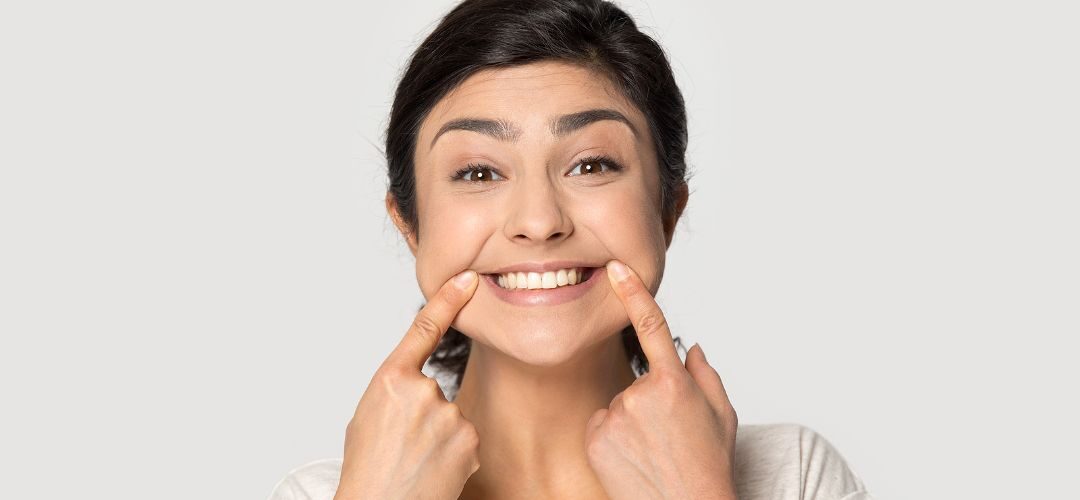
548 399
405 439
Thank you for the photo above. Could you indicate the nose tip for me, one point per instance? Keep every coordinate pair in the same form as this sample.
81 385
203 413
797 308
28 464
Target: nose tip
541 227
538 216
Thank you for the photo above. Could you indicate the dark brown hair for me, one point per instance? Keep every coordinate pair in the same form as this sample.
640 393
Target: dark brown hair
486 34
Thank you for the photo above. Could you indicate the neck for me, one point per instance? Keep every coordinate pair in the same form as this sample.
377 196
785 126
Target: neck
531 420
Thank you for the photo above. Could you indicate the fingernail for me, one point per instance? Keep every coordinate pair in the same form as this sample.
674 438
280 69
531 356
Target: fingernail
465 279
618 270
702 352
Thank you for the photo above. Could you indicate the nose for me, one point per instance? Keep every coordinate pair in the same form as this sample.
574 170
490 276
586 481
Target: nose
536 213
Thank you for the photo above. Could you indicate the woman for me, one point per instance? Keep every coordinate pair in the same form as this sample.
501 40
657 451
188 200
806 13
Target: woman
536 154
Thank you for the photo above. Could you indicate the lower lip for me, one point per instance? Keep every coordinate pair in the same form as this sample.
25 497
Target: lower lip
544 296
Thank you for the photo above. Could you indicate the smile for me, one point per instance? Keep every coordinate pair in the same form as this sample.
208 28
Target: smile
543 287
545 280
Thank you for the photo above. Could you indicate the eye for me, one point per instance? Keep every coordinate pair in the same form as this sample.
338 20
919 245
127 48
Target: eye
595 165
477 173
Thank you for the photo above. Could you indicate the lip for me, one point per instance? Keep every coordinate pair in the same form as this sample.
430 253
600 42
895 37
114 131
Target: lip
544 296
541 267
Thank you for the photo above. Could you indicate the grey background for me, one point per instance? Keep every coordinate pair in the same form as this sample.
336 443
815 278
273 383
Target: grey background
198 279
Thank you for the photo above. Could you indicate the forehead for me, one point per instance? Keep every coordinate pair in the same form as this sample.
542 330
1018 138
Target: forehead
529 96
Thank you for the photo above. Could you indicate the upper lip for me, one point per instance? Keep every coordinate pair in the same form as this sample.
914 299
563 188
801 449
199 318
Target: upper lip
540 267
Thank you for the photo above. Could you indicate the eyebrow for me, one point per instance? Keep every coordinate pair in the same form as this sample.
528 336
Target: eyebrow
507 131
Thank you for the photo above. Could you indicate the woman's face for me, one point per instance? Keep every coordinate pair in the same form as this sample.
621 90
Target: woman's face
529 202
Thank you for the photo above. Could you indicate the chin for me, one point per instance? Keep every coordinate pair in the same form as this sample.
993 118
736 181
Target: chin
539 341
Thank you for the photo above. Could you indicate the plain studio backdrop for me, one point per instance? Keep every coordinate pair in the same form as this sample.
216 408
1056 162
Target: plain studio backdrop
198 278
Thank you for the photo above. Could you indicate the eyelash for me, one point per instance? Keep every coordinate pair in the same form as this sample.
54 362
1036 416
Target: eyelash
613 166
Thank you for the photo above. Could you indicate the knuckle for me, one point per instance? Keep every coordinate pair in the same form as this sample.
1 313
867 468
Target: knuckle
715 374
431 392
431 386
387 372
734 418
614 420
600 444
426 328
449 294
471 436
650 322
668 383
617 401
442 421
404 387
594 449
448 413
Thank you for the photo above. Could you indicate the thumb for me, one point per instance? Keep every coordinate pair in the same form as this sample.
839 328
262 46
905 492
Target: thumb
706 377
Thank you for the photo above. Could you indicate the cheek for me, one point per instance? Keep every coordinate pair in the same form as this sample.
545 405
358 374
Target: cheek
630 229
452 233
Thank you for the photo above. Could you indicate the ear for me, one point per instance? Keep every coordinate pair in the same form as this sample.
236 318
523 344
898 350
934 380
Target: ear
399 222
682 195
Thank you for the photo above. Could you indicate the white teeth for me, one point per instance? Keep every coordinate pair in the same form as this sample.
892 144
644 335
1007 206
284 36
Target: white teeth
534 280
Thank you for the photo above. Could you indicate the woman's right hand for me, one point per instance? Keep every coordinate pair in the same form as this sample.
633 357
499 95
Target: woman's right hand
405 439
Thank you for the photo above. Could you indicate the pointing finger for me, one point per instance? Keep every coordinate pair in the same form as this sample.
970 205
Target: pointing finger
645 315
432 322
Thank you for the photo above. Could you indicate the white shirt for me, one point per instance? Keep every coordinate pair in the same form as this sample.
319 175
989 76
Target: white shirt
772 462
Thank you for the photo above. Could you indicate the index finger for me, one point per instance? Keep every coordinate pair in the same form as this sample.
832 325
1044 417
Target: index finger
645 315
432 322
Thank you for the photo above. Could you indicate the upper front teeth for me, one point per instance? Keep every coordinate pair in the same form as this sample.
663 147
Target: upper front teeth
532 281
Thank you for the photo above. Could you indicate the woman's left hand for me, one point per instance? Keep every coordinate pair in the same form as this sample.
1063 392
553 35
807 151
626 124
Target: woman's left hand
671 434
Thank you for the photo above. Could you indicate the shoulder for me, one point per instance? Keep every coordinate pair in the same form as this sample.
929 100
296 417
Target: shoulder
316 480
791 461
